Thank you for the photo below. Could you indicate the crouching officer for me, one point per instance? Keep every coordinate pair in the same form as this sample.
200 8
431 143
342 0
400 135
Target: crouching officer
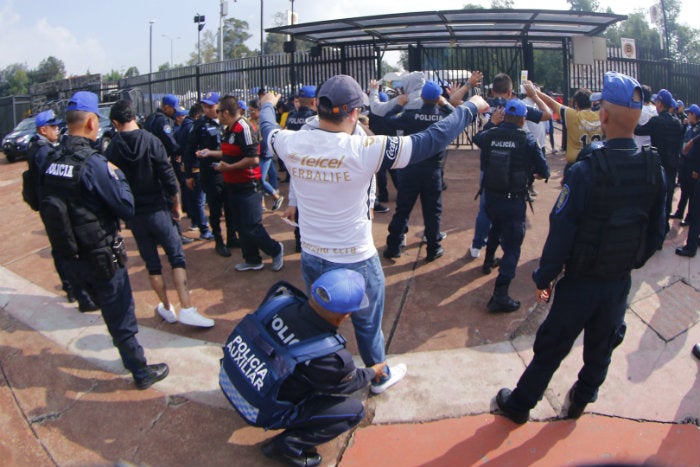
608 220
83 199
285 366
509 157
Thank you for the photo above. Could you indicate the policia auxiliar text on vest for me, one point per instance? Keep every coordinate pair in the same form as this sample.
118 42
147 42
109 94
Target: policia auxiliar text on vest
73 230
255 365
612 239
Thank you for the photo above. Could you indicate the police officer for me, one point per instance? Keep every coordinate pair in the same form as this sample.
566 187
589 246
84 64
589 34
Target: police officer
608 220
206 134
83 199
509 157
295 120
691 182
162 124
42 149
312 403
197 197
423 179
685 171
666 133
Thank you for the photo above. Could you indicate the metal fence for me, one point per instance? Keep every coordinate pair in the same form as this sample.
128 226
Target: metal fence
12 110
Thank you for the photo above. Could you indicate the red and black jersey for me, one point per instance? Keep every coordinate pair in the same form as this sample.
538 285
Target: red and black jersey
240 141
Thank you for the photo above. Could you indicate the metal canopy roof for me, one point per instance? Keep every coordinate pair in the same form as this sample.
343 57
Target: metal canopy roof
464 28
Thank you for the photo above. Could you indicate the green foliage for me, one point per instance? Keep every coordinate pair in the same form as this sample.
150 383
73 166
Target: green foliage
548 72
472 6
635 27
131 71
113 75
14 80
584 5
164 66
502 4
49 69
235 35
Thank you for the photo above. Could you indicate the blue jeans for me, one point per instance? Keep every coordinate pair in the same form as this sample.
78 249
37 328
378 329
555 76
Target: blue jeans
367 323
197 200
265 165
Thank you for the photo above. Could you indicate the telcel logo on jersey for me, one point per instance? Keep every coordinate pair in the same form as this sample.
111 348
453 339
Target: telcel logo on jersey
254 369
308 161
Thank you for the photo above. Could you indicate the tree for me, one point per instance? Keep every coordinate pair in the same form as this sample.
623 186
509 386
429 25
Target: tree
274 43
584 5
14 80
49 69
164 66
113 75
502 4
235 35
131 71
634 27
472 6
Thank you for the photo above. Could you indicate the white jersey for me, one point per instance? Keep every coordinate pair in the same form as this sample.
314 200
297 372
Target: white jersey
648 111
332 173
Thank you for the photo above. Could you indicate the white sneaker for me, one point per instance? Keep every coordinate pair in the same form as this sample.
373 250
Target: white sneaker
191 317
475 252
278 261
167 314
249 266
397 374
443 235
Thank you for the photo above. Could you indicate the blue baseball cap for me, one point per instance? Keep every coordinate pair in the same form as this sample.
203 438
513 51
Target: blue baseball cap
344 94
666 98
619 89
179 111
679 103
516 108
242 104
211 98
46 118
383 97
84 101
431 91
171 100
340 291
307 91
694 109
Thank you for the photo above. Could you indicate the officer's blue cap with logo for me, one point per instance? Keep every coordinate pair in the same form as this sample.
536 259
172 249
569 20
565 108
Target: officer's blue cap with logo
242 104
307 91
431 91
171 100
179 112
679 103
344 94
694 109
516 108
383 97
211 98
620 89
666 98
84 101
46 118
340 291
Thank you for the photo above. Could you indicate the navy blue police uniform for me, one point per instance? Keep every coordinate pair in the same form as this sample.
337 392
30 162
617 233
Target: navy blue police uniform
509 156
609 219
295 120
163 128
666 133
423 179
206 134
691 166
287 367
97 196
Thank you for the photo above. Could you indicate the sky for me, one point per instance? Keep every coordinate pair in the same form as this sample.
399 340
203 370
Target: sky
99 35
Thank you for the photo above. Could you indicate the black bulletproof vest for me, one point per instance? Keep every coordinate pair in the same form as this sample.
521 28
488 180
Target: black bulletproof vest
505 161
72 228
611 240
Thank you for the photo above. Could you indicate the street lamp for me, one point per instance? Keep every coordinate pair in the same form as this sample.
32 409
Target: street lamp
199 20
171 39
150 62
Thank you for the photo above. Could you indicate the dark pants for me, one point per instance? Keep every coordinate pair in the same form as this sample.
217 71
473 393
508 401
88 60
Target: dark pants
597 309
321 418
417 181
70 283
383 185
114 298
686 181
671 172
213 186
693 216
507 229
246 207
151 230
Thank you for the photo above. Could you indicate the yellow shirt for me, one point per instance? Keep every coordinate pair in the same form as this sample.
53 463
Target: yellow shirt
582 128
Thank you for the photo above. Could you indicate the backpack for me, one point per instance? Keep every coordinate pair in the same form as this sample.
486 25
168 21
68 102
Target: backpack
255 365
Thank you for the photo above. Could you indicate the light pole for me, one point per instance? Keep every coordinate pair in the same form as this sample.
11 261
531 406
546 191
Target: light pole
171 39
150 63
199 20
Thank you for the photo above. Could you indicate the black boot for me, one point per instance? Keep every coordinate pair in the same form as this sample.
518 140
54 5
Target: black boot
500 301
489 263
220 248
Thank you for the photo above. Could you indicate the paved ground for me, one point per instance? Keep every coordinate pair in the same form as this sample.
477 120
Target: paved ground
65 400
